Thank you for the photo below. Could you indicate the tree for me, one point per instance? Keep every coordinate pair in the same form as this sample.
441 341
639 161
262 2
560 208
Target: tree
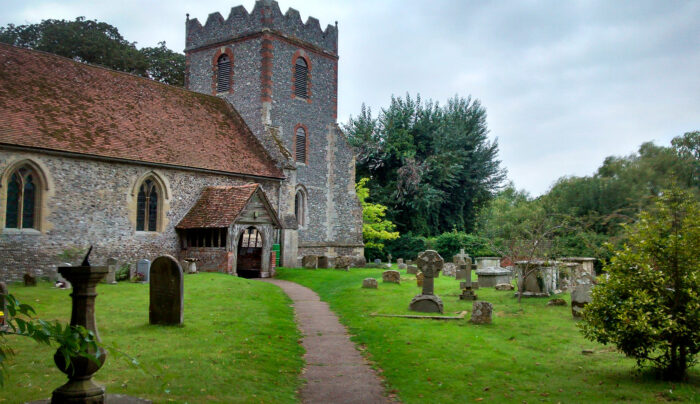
433 167
649 306
99 43
375 228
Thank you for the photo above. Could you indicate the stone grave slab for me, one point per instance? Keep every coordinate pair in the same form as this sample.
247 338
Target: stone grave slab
143 267
343 262
391 276
111 277
369 283
411 269
481 312
166 292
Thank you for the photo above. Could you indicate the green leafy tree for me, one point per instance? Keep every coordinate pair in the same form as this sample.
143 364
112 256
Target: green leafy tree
375 228
432 166
165 65
648 305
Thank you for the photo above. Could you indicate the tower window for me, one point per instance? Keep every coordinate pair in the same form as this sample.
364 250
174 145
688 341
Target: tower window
22 205
223 68
147 206
301 145
301 76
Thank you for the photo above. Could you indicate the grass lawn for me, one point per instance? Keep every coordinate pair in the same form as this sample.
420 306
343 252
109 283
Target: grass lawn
239 344
531 352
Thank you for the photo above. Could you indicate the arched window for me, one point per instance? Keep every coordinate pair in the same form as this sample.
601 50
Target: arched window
22 208
301 145
300 208
223 79
147 206
301 77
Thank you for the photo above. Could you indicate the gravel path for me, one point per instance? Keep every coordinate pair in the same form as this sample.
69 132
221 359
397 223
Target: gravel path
335 371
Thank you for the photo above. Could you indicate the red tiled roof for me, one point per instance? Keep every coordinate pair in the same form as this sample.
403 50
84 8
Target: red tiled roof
218 207
51 102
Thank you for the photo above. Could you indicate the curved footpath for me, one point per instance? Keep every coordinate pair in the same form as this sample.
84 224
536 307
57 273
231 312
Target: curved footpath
335 371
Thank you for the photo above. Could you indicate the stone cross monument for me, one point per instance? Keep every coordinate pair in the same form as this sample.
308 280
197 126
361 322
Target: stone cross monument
430 264
466 286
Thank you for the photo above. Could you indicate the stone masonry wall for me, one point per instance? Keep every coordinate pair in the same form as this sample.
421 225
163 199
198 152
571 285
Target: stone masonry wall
90 202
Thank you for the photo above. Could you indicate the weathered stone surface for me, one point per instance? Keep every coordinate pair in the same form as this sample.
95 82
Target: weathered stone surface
377 261
310 262
399 261
111 275
481 312
391 276
492 276
402 266
541 279
449 269
166 292
411 269
556 302
369 283
430 263
467 292
504 286
462 256
359 261
143 270
580 297
426 304
343 262
461 273
323 262
419 279
486 262
29 279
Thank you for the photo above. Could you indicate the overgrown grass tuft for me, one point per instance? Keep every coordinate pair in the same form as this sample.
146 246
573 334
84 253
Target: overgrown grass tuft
239 344
531 353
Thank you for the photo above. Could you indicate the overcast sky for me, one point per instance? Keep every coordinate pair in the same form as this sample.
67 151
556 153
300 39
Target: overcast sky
565 83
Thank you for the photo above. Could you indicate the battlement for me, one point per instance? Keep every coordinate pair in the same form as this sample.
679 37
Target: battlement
265 15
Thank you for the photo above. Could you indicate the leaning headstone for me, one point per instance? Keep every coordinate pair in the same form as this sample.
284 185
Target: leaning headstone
29 279
399 261
412 269
142 270
430 264
481 312
391 276
166 292
580 297
369 283
419 279
343 262
323 262
310 262
111 275
402 266
377 261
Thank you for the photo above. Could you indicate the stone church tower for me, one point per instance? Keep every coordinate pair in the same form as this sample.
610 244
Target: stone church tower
281 75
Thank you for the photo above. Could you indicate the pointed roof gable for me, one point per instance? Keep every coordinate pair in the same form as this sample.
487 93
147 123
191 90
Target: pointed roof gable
220 206
49 102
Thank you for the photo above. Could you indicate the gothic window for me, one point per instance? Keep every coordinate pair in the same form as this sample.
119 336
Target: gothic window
223 68
301 77
22 207
299 208
301 145
147 206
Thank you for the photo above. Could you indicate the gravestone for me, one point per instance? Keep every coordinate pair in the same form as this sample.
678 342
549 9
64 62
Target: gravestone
412 269
310 262
142 270
377 261
580 297
492 276
461 273
343 262
466 286
463 256
323 262
419 279
369 283
388 259
481 312
111 275
3 303
29 279
449 269
402 266
166 292
430 264
399 261
391 276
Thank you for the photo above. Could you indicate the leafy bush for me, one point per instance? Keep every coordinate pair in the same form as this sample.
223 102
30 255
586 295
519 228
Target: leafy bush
448 244
649 306
408 246
122 273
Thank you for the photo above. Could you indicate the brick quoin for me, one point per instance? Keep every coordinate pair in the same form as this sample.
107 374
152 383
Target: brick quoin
302 54
215 69
306 131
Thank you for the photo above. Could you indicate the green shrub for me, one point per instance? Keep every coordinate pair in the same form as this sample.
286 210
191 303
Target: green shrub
448 244
407 246
122 273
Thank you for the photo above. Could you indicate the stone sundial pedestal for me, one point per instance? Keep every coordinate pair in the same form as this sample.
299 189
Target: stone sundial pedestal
80 387
430 264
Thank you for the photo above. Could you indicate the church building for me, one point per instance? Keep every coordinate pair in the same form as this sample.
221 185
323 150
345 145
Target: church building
245 160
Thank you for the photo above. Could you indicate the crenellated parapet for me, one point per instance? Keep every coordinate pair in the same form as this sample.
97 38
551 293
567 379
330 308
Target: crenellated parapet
266 15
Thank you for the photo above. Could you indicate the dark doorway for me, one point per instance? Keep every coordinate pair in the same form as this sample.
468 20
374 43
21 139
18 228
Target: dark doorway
249 262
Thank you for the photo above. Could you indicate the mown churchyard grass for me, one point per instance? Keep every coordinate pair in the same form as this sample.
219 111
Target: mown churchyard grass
239 344
531 353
